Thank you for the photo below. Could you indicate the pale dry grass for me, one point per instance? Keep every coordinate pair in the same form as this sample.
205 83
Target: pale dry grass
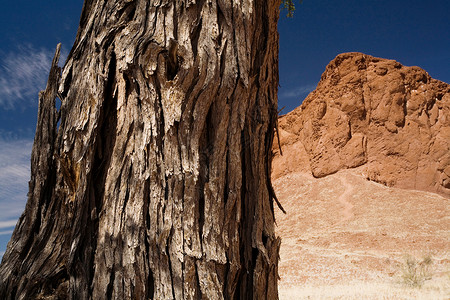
433 290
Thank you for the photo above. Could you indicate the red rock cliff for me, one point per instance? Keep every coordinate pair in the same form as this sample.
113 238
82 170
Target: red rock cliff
369 111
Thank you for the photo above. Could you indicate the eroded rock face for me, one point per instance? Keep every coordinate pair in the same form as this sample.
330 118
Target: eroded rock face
374 112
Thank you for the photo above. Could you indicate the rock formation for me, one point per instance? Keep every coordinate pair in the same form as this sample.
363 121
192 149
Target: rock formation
369 111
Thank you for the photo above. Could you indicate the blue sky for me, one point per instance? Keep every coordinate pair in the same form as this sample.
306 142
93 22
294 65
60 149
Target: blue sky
410 31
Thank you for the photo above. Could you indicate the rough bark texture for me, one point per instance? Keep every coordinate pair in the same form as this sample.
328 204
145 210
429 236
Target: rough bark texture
157 182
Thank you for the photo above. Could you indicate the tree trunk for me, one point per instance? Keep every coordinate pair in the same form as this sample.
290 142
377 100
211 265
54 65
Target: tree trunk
156 184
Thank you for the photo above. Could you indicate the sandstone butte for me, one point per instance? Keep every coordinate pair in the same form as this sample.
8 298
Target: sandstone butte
366 111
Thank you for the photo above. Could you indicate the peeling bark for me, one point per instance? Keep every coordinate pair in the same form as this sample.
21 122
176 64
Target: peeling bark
156 185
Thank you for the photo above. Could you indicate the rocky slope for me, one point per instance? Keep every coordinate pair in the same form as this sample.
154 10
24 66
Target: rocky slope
394 120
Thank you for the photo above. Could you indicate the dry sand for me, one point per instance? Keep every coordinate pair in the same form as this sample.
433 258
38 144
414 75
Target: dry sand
345 237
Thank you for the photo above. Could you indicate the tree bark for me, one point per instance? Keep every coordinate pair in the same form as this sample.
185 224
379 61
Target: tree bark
156 184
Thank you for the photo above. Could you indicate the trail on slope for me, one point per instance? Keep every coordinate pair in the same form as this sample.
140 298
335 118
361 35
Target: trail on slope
344 199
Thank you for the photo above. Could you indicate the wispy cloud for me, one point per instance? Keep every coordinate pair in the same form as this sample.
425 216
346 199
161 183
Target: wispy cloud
7 224
297 92
23 73
14 177
7 232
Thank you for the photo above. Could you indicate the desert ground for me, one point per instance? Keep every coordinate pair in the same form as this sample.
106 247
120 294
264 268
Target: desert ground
345 237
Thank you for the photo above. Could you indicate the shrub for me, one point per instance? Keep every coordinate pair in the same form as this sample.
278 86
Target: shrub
415 273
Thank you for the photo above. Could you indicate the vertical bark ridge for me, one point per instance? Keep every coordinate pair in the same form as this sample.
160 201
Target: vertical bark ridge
162 159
